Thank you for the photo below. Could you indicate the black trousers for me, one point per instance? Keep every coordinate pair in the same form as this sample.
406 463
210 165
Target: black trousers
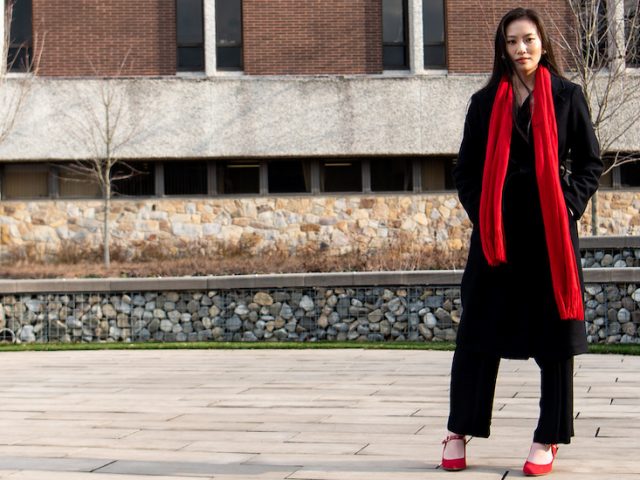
473 383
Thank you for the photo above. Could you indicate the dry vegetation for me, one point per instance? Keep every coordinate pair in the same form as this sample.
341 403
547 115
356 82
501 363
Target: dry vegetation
153 260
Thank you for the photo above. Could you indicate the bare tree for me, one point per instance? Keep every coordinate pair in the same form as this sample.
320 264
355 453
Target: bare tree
104 124
14 91
598 41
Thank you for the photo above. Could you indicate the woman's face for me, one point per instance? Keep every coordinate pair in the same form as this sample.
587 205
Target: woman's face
524 45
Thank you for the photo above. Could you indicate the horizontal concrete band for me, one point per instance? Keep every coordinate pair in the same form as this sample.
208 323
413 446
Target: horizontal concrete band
607 242
260 116
346 279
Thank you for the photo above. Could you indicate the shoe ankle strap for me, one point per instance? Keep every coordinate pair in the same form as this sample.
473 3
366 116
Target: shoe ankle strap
448 438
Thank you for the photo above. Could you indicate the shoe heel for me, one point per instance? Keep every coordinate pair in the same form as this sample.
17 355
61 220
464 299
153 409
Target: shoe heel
531 469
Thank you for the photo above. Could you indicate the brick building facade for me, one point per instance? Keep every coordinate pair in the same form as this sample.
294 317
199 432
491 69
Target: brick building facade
471 29
279 37
237 100
91 37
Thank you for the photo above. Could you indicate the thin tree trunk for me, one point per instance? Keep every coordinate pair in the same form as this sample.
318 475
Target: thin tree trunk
107 208
594 214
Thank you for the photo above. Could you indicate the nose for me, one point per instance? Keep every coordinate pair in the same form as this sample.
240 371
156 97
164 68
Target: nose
522 48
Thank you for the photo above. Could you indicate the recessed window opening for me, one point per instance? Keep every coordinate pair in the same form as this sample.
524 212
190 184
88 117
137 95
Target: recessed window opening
25 181
289 176
133 179
185 178
433 33
238 177
341 176
190 35
229 34
394 35
20 49
391 175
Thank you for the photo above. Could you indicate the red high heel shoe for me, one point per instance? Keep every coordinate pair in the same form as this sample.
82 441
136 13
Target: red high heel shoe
454 464
531 469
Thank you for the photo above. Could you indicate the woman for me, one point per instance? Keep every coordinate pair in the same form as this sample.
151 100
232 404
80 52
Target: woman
522 286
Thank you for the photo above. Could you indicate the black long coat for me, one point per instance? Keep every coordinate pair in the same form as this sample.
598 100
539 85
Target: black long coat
510 310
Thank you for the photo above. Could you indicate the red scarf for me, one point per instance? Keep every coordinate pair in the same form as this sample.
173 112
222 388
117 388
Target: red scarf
564 270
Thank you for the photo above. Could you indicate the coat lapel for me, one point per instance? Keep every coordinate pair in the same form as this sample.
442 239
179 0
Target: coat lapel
560 91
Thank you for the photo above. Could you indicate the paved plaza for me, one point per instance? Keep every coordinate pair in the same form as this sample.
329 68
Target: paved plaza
291 414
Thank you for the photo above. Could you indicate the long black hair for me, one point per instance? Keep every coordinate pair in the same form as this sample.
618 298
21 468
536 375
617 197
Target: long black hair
502 63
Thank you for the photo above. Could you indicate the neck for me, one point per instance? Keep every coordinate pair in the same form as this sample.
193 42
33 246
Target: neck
528 79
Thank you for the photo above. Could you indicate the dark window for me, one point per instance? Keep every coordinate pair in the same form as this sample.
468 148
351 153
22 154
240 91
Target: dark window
229 34
437 174
395 54
289 176
74 184
185 178
239 177
25 181
341 176
190 35
134 179
630 174
632 32
592 29
391 175
433 32
20 50
606 180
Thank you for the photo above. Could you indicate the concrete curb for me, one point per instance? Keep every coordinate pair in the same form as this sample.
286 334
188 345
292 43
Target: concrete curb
294 280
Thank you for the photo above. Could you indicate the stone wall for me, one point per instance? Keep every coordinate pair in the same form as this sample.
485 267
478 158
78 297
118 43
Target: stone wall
42 228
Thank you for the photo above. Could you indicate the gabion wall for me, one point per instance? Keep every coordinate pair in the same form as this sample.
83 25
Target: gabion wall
612 313
355 314
610 258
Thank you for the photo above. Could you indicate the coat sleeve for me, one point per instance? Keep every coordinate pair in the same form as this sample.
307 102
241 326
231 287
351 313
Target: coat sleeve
586 164
467 173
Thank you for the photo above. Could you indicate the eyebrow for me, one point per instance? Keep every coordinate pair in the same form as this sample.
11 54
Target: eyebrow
530 34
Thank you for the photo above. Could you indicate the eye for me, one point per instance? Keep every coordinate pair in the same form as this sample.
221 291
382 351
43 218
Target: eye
511 42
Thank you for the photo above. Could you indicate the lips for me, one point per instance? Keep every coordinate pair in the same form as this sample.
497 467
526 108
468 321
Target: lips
522 60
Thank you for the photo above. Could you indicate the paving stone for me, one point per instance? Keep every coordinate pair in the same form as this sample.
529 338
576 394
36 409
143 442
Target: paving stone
304 414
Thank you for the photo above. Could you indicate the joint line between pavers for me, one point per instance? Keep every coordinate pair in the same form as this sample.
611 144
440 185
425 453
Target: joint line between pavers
103 466
293 473
130 433
362 449
418 431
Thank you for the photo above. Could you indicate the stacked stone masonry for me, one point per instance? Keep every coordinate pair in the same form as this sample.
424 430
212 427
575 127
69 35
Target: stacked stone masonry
422 314
44 228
